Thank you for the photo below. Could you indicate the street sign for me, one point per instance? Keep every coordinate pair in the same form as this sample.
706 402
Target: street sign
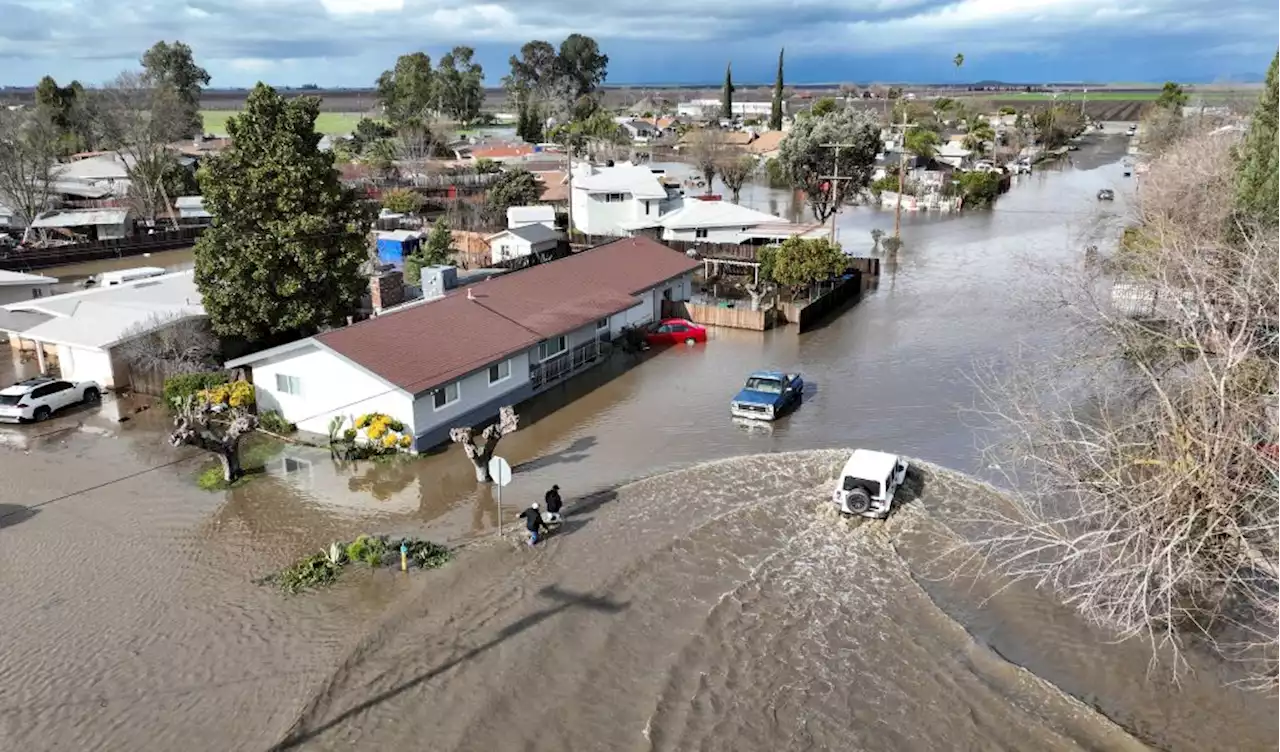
500 471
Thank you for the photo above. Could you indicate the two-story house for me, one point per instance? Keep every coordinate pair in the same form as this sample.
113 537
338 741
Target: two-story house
616 200
455 360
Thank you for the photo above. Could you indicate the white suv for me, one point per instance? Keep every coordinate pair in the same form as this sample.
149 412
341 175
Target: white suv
868 483
41 397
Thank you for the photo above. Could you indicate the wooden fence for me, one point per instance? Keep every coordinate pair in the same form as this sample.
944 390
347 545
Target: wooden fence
734 318
27 259
806 315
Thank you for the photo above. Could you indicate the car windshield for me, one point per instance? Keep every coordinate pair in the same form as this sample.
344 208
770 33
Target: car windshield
768 386
10 399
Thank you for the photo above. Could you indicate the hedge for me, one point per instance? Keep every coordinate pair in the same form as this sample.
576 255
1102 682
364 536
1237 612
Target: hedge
177 388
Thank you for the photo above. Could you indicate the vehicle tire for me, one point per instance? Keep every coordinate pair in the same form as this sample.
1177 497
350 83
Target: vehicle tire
691 341
859 501
42 414
92 394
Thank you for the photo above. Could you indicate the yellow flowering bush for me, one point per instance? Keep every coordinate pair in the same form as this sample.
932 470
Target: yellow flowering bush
383 432
236 394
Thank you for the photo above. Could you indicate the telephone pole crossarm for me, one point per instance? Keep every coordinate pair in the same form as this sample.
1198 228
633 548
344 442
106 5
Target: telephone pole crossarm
835 179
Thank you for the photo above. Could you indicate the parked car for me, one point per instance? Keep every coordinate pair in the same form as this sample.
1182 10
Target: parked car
767 395
1106 194
1131 131
41 397
672 331
869 482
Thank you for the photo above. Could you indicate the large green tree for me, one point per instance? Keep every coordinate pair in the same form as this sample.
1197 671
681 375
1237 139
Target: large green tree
460 84
726 93
171 70
1257 194
798 262
1172 97
407 92
775 113
516 187
542 77
580 69
810 161
285 253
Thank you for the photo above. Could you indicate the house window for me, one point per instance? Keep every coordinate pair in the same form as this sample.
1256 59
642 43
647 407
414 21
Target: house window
548 349
499 372
646 208
295 465
614 198
602 324
446 395
37 292
288 384
701 232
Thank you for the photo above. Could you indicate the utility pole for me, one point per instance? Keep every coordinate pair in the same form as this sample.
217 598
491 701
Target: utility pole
835 179
902 174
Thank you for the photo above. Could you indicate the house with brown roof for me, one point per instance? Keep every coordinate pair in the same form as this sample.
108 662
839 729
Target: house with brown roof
456 359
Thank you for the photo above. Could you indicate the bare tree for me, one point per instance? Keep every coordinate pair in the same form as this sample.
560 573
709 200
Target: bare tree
170 345
141 122
736 169
214 428
29 148
414 145
480 448
1147 456
706 149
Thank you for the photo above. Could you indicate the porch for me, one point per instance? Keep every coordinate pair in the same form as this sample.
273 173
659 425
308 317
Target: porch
563 366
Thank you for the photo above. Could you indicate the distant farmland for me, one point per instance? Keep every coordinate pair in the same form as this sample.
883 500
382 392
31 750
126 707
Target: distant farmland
215 121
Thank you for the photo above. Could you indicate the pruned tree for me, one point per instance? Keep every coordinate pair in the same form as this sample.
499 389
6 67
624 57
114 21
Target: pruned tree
735 170
1145 454
213 427
809 159
29 148
169 345
479 448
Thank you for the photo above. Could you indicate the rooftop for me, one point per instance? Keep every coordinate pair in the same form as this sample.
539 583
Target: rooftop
534 233
103 316
81 218
422 346
19 278
530 214
104 166
715 214
641 182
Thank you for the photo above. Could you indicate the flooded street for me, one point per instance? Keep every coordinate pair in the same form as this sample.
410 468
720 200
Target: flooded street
719 606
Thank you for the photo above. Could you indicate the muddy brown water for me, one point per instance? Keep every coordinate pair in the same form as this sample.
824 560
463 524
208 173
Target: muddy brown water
717 606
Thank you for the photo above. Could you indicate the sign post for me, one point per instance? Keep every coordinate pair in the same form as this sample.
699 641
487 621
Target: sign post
500 472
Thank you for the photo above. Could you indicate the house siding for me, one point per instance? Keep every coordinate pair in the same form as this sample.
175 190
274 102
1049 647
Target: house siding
84 364
477 402
330 386
24 292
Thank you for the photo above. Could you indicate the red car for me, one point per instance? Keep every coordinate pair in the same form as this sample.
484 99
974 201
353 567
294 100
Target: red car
672 331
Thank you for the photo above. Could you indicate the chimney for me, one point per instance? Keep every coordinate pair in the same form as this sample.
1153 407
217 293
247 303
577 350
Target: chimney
386 289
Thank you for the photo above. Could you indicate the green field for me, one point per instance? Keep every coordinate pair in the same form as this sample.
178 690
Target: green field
1107 96
215 121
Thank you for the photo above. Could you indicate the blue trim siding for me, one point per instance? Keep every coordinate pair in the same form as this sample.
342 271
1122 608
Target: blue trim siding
485 413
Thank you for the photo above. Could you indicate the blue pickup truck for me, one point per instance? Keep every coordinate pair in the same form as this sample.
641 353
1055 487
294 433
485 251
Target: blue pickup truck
767 395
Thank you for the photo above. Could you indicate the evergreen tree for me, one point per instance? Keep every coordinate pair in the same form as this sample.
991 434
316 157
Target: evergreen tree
726 95
284 255
775 115
1257 194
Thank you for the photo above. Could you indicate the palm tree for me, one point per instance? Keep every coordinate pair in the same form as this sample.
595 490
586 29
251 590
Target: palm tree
958 61
979 134
921 142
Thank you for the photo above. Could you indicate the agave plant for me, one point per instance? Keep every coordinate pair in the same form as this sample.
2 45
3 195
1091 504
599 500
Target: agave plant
337 553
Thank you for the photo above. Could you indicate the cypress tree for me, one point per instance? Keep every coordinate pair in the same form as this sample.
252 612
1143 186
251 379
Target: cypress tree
1257 194
726 96
775 115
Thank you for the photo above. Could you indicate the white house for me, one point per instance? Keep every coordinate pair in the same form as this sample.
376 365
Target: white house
640 131
86 327
953 153
616 200
455 360
725 222
522 242
703 108
191 208
521 216
17 287
96 224
109 171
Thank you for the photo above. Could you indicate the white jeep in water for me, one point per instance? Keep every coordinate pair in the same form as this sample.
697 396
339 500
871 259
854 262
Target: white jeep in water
868 483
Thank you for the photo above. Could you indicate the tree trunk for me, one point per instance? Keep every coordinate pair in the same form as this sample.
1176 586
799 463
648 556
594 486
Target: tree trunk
231 469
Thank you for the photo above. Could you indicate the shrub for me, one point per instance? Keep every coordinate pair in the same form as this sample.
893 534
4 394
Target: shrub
367 549
273 422
316 570
236 394
323 568
886 183
178 388
402 201
979 188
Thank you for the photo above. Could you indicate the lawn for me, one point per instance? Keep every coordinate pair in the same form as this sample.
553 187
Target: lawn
215 121
255 451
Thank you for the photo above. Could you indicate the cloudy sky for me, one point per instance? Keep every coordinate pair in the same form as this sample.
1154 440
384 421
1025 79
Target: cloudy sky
348 42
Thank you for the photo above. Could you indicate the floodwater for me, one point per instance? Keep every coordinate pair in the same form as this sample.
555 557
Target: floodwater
719 606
